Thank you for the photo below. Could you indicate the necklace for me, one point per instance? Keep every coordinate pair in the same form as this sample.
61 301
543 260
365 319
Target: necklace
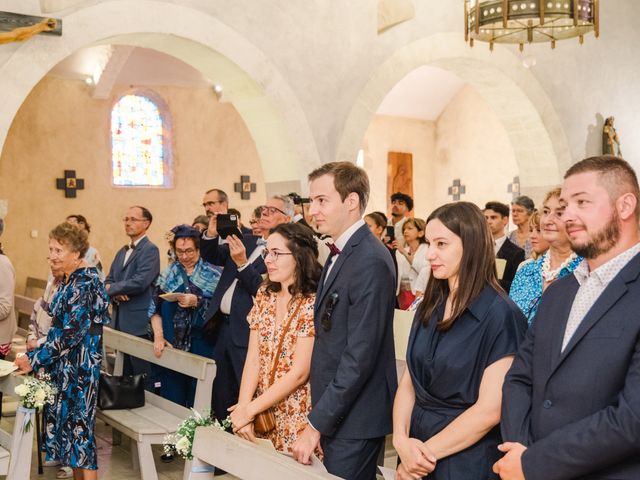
550 275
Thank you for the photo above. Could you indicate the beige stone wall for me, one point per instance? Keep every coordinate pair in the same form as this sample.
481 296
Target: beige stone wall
467 141
61 127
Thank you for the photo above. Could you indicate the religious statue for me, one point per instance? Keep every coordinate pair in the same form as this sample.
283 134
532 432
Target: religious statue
610 140
24 33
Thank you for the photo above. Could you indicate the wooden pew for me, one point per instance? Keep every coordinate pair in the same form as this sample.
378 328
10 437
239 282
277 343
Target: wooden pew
402 320
16 448
150 424
244 459
24 307
34 287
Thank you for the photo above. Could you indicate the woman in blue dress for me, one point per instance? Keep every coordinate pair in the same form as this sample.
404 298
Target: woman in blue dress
534 276
72 353
178 321
463 340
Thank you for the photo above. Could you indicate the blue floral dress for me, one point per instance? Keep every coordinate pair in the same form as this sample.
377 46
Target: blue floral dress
72 355
527 287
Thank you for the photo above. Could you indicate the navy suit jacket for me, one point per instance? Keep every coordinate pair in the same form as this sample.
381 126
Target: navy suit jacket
135 280
514 256
579 411
249 280
353 368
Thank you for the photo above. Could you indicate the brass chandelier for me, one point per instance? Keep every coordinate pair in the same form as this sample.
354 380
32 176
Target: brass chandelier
529 21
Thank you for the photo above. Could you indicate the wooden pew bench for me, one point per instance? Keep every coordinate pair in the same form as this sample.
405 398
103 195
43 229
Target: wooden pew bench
150 424
15 448
245 460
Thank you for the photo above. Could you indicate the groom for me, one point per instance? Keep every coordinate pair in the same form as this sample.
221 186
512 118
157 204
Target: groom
353 371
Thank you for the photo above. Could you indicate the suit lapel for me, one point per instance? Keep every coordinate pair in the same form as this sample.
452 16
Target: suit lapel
135 252
559 322
325 285
607 299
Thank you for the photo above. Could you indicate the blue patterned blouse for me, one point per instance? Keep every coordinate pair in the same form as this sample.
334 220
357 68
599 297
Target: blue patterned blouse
526 289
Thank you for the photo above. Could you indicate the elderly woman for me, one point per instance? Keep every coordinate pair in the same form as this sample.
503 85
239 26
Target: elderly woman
7 311
177 311
533 278
92 257
521 209
72 353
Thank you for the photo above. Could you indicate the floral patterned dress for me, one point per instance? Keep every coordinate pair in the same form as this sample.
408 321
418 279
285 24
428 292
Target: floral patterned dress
72 355
291 413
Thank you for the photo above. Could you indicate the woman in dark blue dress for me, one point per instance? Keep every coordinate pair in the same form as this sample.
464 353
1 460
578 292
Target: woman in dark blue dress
465 334
72 353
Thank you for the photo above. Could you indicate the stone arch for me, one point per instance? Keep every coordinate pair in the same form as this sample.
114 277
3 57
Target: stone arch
535 132
257 90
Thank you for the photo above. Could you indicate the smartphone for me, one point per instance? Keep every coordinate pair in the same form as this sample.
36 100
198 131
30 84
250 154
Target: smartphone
227 224
391 233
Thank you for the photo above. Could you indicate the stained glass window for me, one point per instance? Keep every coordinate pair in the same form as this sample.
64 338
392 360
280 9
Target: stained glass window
139 154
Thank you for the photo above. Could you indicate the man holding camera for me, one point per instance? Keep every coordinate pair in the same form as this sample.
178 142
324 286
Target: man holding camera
222 244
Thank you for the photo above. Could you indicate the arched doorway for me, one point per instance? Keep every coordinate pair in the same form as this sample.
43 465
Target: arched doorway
512 92
254 86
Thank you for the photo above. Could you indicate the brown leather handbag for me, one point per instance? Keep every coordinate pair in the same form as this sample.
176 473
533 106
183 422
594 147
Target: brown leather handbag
265 421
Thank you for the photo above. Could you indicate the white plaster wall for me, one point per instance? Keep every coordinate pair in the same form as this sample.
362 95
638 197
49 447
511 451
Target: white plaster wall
472 145
327 52
395 134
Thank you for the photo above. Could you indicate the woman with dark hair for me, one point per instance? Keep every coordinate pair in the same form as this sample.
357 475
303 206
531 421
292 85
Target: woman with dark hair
72 353
276 371
463 340
179 303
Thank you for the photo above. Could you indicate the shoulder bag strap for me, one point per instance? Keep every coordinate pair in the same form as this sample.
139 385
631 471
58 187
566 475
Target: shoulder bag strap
284 334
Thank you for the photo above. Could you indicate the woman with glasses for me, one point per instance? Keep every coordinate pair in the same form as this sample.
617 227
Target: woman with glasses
465 334
177 311
534 277
276 370
521 210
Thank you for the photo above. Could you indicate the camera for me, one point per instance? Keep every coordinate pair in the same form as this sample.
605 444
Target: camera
297 199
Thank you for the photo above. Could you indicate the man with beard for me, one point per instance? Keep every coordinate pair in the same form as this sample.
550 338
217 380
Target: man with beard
571 401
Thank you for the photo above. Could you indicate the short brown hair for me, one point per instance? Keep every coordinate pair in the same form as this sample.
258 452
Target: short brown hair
555 193
615 175
477 266
347 178
74 237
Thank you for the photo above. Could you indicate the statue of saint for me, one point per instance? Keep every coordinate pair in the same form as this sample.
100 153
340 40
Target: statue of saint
24 33
610 140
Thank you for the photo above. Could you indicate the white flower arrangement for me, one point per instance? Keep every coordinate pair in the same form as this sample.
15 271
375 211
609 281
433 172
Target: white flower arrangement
34 393
182 440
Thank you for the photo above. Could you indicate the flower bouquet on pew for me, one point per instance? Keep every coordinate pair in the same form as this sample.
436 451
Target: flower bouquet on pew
182 440
34 393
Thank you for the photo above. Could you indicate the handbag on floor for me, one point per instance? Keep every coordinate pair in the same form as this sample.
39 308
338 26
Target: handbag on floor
121 392
265 421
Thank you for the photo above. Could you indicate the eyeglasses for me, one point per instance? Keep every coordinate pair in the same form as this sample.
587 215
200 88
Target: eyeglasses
188 251
132 219
266 253
265 210
325 321
213 203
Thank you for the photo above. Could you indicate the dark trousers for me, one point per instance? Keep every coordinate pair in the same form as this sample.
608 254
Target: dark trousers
351 459
229 364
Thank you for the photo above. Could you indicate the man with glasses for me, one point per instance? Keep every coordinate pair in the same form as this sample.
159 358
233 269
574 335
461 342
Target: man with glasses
130 282
232 300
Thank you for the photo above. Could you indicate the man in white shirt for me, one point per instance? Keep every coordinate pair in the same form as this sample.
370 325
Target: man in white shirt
401 207
353 373
571 401
497 215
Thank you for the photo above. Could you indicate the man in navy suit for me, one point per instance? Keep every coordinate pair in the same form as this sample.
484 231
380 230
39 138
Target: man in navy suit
232 300
353 370
130 281
571 401
497 215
